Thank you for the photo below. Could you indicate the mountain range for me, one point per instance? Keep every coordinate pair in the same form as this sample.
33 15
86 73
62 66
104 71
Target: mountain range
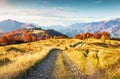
111 26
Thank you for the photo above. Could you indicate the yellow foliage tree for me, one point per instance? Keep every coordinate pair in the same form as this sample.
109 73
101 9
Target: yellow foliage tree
102 39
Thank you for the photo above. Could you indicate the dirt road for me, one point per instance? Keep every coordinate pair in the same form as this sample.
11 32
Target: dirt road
44 69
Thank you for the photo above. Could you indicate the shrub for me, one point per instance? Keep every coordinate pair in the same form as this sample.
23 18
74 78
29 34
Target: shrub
66 48
102 39
8 49
85 54
4 61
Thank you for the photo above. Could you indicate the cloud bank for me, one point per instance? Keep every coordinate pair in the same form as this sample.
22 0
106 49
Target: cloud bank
51 16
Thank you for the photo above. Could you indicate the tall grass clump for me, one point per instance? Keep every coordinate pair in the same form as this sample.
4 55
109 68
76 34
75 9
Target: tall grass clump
21 64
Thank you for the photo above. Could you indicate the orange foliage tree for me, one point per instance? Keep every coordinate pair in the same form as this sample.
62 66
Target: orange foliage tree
106 34
27 37
3 40
97 35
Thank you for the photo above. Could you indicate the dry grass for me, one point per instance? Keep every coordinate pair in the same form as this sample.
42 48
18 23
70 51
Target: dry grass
59 71
77 57
110 63
37 31
21 64
22 56
15 59
102 58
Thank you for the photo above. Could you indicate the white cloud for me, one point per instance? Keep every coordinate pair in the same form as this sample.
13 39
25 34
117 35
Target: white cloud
54 16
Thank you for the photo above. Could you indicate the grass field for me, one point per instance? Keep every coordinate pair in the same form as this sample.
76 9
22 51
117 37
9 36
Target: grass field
91 59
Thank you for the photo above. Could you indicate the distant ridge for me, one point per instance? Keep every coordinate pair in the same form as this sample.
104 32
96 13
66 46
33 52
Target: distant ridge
9 25
111 26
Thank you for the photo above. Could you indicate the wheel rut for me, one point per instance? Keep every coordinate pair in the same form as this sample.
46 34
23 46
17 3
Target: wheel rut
43 69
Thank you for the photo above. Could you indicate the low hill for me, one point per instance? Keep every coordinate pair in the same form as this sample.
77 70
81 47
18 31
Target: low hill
28 35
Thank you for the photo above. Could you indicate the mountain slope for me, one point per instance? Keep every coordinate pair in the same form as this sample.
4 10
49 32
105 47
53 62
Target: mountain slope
8 25
55 27
111 26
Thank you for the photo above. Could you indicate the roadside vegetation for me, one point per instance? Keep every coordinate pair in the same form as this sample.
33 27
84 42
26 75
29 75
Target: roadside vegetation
103 58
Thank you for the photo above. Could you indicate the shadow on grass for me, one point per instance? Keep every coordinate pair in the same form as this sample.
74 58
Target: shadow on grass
76 44
106 45
4 61
101 44
115 46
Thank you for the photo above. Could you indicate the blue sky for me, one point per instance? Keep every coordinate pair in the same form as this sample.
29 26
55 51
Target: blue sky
60 12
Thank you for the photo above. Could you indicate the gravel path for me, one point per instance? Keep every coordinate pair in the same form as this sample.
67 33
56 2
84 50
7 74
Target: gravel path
43 69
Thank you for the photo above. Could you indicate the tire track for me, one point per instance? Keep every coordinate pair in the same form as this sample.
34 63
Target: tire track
43 69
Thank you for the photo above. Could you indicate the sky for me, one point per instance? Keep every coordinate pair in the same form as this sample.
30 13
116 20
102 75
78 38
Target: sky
59 12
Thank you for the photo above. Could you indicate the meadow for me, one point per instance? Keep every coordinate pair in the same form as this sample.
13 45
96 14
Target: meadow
74 58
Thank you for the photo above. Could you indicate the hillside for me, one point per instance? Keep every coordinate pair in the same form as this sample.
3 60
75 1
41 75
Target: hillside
28 35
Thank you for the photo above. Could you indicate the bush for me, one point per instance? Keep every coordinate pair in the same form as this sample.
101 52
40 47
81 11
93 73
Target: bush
85 54
66 48
4 61
8 49
102 39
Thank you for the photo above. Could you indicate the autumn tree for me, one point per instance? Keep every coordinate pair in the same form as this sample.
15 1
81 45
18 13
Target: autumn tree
88 35
27 37
102 39
106 34
10 38
33 37
97 35
47 36
3 40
